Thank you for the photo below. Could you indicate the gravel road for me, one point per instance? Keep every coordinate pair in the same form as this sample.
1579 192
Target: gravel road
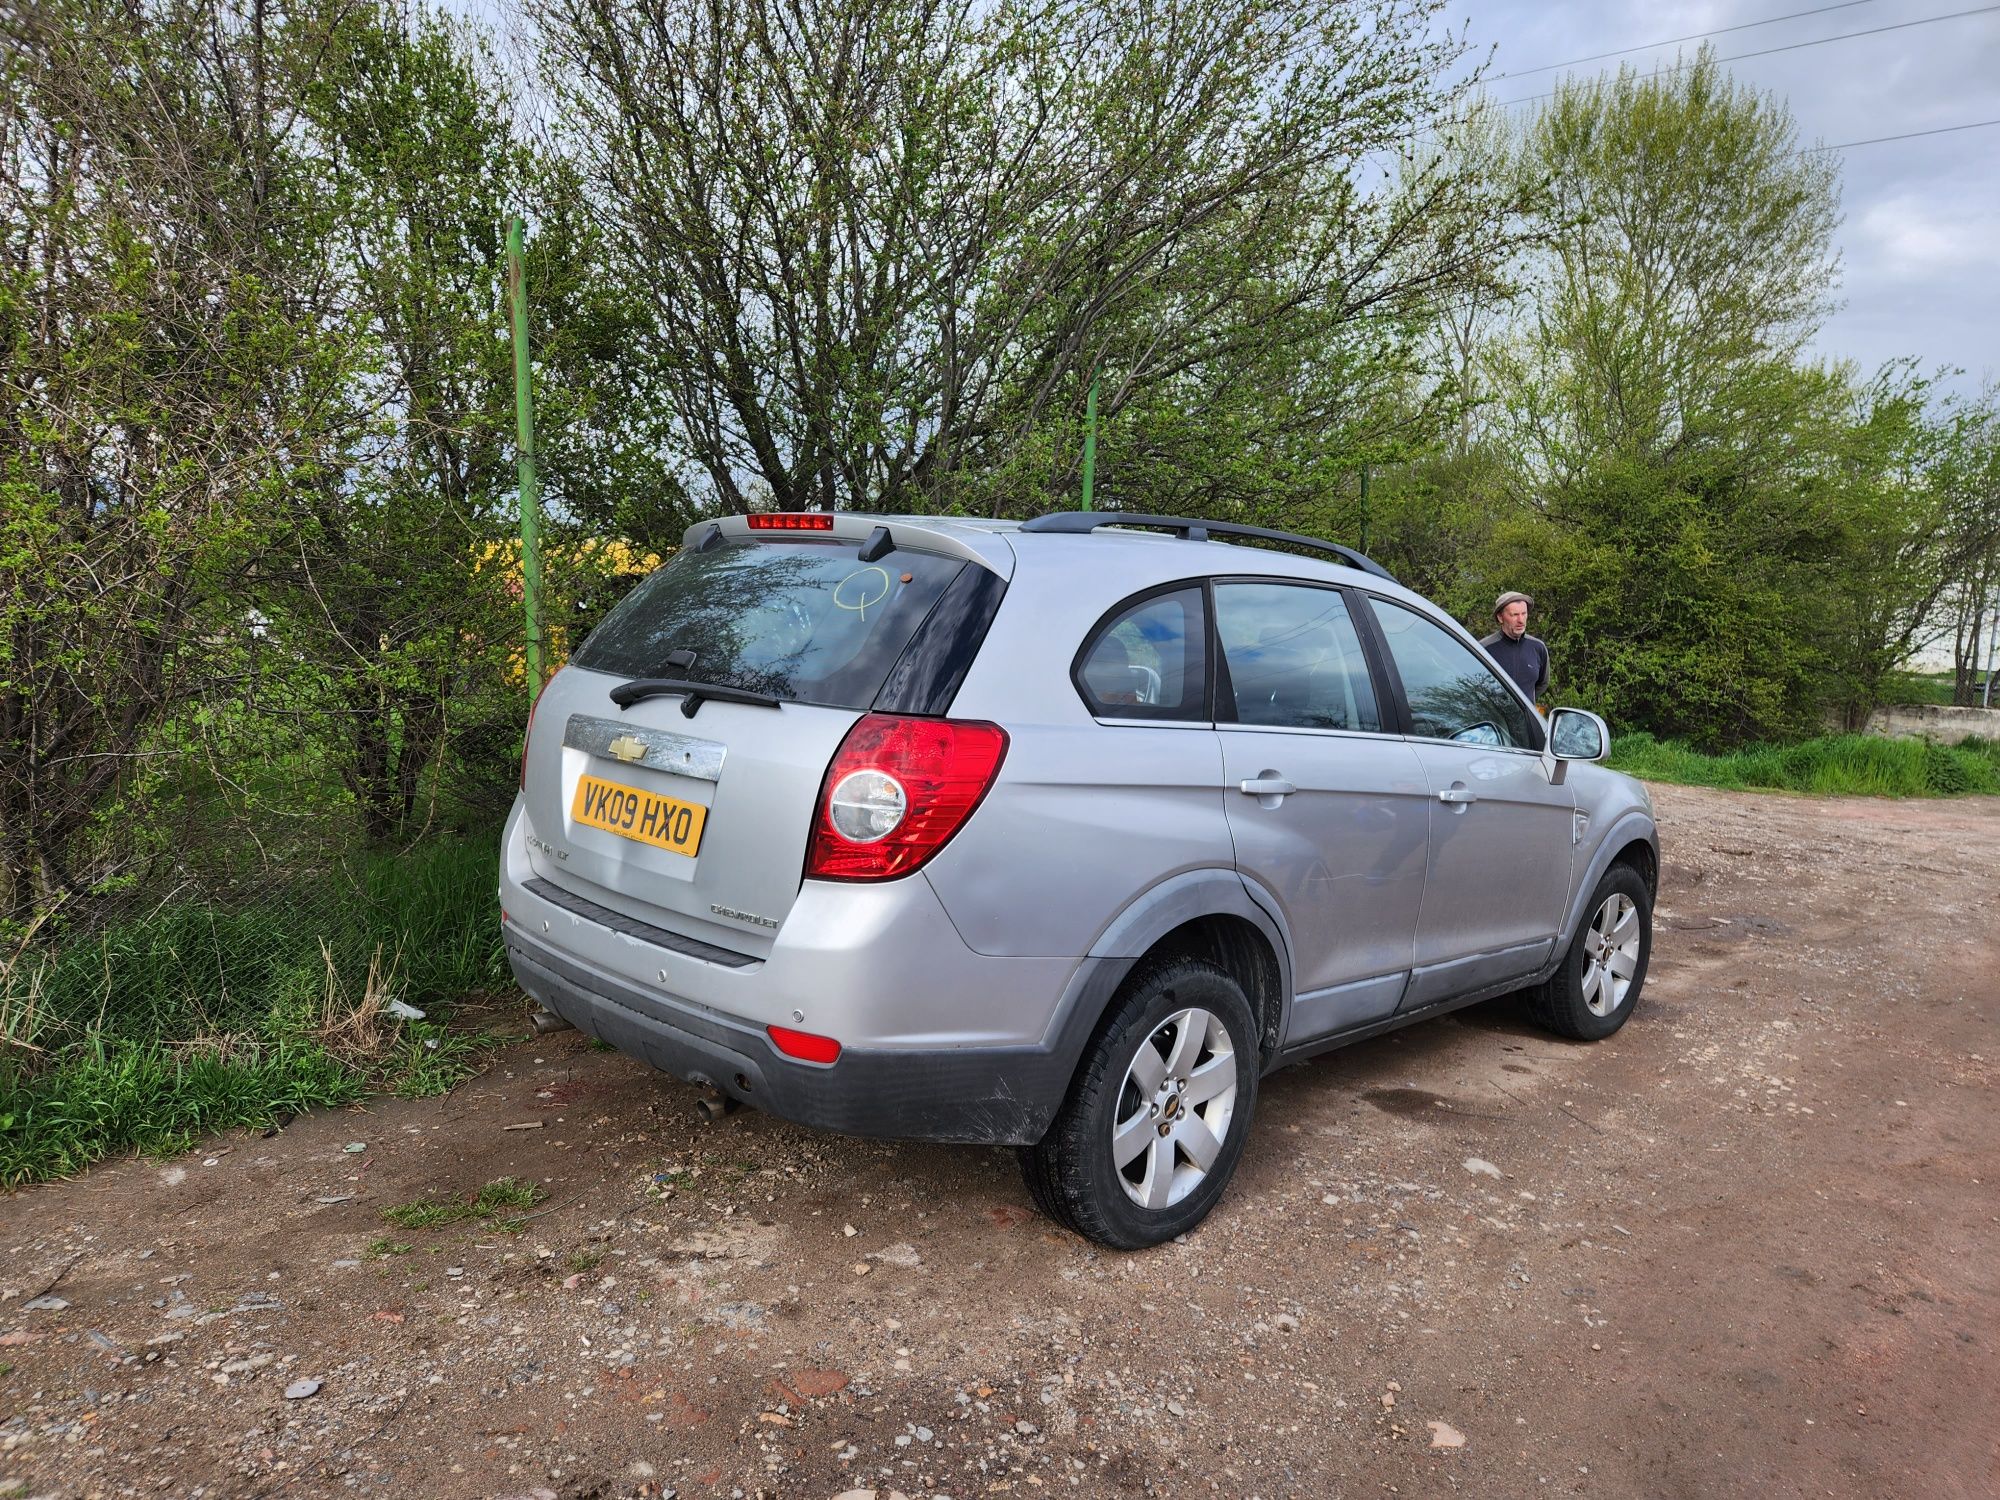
1749 1246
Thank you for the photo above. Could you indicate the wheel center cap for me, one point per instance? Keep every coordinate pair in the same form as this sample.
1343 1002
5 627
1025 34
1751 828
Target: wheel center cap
1172 1107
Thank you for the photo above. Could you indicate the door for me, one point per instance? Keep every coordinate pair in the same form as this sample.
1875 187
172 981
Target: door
1500 834
1329 811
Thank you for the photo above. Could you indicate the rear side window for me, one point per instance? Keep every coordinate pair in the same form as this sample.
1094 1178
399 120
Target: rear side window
1452 694
1294 658
1147 660
805 621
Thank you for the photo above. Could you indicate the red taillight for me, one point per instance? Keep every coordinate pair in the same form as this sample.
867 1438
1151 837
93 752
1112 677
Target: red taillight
791 520
804 1045
526 735
917 780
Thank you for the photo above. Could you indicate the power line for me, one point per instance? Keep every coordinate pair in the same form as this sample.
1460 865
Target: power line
1908 135
1693 36
1845 36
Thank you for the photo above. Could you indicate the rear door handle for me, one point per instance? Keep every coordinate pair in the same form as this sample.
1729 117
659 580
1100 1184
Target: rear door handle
1266 786
1457 794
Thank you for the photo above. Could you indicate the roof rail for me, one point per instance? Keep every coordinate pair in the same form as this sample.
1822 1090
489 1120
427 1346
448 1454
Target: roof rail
1082 522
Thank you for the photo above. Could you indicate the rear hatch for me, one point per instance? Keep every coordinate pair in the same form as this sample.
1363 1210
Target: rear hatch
698 822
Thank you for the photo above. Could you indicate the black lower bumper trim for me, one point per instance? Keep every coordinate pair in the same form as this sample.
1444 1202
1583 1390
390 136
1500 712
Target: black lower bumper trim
988 1095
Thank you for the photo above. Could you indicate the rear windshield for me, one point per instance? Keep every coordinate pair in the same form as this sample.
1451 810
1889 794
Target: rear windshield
802 620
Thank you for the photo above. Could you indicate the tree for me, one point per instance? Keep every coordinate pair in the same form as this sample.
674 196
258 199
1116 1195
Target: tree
158 379
892 242
1688 493
1965 475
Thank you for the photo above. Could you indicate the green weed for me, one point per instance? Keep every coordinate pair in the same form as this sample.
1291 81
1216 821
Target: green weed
429 1060
489 1205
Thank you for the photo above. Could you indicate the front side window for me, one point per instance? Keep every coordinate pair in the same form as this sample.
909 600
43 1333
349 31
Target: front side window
1294 658
1452 694
1147 661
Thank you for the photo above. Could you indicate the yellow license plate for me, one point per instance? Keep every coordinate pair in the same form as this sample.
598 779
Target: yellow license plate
664 822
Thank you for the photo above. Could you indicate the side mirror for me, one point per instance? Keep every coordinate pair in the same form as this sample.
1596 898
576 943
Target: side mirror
1575 734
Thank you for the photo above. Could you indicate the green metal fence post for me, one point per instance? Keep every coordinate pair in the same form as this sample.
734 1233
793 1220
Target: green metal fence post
531 486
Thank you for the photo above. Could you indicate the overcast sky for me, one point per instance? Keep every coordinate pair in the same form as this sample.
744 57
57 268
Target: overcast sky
1920 240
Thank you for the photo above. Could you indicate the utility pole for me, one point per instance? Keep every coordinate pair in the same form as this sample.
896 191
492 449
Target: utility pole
531 486
1089 442
1992 657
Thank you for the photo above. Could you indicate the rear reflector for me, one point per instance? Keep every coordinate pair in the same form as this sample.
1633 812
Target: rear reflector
791 520
804 1045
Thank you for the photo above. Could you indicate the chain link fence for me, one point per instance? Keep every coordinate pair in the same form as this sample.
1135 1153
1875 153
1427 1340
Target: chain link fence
227 911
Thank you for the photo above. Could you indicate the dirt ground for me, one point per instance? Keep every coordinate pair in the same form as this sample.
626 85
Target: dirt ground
1750 1246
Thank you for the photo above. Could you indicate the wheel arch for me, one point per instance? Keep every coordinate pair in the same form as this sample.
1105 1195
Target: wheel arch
1631 840
1210 915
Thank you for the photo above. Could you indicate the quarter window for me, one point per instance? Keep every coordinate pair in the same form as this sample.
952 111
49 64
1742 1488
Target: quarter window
1452 694
1147 662
1294 658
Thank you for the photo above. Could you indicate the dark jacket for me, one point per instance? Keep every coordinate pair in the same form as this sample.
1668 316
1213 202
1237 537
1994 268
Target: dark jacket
1525 660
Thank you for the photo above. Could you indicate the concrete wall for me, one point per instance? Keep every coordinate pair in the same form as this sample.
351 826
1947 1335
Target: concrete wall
1935 721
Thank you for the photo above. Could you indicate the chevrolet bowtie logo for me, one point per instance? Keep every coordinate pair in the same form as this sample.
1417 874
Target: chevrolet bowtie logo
627 747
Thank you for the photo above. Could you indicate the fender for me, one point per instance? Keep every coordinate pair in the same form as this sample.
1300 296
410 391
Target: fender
1633 823
1188 897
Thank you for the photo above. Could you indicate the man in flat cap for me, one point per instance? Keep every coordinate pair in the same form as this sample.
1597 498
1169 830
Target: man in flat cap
1521 656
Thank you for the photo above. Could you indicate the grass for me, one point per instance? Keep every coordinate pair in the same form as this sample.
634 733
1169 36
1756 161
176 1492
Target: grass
192 1017
491 1205
1917 687
107 1095
1835 765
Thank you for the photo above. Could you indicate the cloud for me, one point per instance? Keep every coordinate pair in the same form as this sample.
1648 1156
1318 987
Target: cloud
1911 238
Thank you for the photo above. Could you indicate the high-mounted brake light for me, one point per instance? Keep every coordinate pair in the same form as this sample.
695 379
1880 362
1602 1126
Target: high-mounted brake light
803 1045
896 792
791 520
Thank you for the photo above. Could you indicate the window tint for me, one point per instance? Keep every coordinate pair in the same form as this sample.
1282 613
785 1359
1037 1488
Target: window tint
1453 695
1294 658
805 621
1147 661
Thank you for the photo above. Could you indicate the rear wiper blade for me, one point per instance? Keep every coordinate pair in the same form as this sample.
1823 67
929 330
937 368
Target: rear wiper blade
628 693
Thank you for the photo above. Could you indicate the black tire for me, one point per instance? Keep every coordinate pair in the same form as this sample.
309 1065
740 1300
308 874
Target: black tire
1072 1174
1565 1003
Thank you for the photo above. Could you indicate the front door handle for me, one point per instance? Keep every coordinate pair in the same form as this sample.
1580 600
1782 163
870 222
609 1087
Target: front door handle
1270 784
1458 794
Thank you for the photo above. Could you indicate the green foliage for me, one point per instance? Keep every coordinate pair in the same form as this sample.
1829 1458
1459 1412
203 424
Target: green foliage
1917 687
891 243
491 1205
429 1060
1722 540
110 1094
275 965
1838 765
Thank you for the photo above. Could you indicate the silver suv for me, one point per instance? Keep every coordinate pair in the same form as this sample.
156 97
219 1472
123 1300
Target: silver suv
1056 834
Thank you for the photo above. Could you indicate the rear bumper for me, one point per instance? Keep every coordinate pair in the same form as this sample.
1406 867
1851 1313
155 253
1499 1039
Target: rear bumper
985 1095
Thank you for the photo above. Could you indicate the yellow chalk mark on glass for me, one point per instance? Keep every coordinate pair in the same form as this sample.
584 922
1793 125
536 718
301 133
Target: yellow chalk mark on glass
859 597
